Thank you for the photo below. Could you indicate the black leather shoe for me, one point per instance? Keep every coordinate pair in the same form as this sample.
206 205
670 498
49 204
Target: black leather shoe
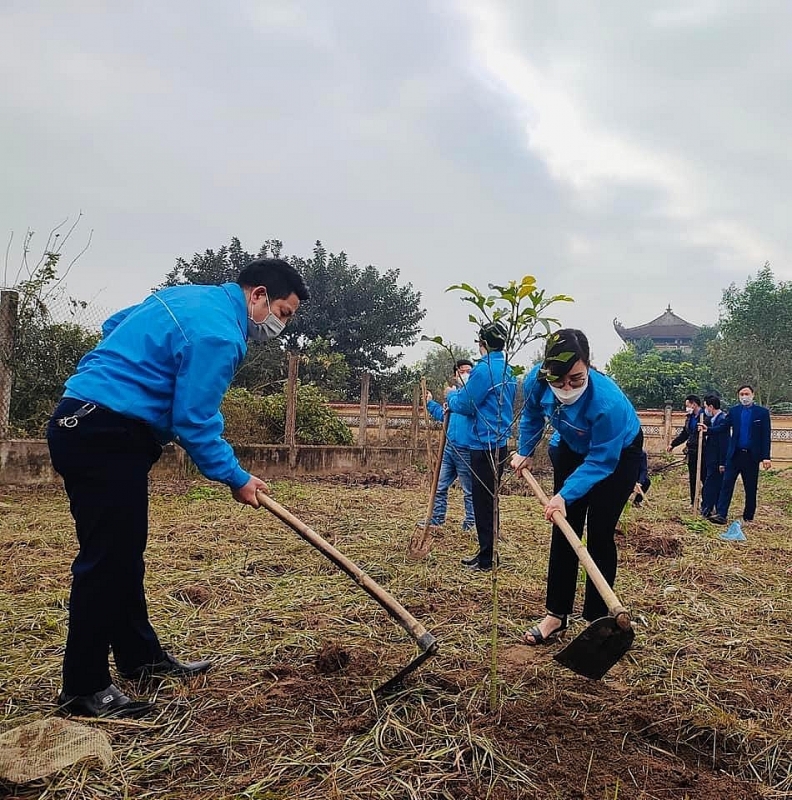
718 519
110 702
168 666
479 567
470 561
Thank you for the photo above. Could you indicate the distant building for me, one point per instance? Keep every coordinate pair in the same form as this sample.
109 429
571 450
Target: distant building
668 332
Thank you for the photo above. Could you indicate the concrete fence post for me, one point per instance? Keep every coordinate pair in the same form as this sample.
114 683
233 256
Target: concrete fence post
667 433
364 401
9 306
291 409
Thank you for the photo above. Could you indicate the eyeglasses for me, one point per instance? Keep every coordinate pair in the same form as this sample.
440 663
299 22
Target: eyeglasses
571 381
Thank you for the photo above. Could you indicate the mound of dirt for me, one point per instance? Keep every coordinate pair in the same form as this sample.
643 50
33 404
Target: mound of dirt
194 594
651 541
331 658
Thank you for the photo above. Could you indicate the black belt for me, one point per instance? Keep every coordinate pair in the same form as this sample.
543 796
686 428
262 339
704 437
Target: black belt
73 419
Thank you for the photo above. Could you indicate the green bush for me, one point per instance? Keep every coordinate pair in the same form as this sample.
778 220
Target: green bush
256 419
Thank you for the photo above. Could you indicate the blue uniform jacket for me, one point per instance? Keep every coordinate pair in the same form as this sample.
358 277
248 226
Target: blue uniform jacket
460 427
599 425
488 398
716 442
168 362
759 442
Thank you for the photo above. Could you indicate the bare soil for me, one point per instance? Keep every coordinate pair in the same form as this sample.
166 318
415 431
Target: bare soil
700 708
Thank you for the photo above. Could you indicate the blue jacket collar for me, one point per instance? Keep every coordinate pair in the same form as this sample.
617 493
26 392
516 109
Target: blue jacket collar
237 297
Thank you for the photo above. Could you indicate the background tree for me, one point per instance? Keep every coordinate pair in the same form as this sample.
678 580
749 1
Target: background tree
395 384
50 338
753 343
654 377
362 313
438 366
359 314
223 266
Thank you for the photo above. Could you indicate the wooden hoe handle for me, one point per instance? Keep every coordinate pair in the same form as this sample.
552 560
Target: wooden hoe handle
615 607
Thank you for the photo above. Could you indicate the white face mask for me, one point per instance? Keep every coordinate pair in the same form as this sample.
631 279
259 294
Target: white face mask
746 400
463 377
270 328
569 396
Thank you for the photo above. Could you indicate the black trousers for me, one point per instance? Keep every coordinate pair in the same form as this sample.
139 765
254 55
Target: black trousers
692 458
104 461
742 463
599 510
486 467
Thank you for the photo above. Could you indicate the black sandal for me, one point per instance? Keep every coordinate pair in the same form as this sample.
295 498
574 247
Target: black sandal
539 638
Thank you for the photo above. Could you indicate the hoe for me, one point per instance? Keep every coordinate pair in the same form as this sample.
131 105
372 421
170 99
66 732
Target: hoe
426 642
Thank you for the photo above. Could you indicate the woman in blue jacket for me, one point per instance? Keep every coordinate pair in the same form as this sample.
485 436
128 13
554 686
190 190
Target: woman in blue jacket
595 468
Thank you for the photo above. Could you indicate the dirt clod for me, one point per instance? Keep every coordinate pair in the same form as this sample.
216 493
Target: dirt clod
195 595
331 658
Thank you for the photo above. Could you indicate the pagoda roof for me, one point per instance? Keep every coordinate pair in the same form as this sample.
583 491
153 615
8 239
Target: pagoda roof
667 326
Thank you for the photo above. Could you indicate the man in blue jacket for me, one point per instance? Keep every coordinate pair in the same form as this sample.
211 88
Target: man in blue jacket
159 374
455 464
716 446
749 447
488 399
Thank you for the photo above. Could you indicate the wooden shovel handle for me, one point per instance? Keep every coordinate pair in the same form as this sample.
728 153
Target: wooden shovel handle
437 467
697 493
615 607
423 638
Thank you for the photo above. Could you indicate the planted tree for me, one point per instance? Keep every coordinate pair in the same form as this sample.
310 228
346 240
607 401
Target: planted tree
521 310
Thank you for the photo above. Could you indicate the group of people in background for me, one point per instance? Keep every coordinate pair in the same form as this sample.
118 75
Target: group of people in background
596 451
735 444
160 373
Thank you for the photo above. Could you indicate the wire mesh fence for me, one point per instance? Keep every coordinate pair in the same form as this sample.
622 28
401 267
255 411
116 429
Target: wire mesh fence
42 337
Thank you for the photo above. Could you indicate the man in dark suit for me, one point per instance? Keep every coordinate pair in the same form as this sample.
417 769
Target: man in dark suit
749 447
690 437
716 448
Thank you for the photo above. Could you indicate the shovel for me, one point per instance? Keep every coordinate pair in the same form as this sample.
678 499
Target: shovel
605 640
421 541
427 643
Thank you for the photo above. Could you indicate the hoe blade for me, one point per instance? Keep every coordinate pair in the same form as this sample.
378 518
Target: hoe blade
596 649
397 681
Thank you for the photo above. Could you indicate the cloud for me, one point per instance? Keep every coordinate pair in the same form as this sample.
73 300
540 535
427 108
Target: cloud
630 156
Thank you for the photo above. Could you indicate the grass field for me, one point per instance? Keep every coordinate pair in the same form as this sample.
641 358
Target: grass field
700 708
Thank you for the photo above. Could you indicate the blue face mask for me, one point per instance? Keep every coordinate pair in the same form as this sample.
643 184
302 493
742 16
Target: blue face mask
270 328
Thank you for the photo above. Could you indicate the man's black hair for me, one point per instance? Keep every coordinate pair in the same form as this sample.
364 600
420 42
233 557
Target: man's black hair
279 276
712 400
564 349
745 386
493 336
693 398
462 362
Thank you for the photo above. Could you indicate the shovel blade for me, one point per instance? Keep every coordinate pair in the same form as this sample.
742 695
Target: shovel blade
596 649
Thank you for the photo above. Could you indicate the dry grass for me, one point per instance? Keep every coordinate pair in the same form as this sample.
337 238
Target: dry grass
700 708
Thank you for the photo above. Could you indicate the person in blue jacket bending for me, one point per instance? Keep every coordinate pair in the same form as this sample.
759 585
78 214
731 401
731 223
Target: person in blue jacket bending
455 464
158 374
488 399
595 468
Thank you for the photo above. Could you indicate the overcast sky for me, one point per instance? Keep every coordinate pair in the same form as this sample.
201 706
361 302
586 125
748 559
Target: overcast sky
629 154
